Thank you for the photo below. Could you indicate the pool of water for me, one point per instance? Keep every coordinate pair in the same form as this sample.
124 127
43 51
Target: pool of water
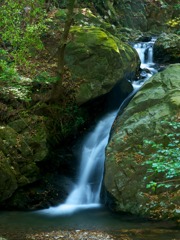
93 219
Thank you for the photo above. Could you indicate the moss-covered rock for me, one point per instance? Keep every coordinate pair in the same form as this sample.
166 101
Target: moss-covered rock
23 143
125 175
8 183
97 61
167 48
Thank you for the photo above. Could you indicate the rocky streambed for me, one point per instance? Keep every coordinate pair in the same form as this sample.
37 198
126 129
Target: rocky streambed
125 234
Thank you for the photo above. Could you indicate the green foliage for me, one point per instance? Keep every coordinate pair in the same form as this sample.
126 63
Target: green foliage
61 14
73 114
164 158
21 26
177 6
174 24
13 86
45 77
7 71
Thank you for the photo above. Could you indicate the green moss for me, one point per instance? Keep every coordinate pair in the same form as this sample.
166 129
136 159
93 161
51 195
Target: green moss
99 60
8 182
90 35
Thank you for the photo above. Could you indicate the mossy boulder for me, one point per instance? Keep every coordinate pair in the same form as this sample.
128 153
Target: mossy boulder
8 183
167 48
98 61
23 143
126 176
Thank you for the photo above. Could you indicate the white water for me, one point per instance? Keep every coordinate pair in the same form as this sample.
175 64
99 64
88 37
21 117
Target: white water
145 52
86 191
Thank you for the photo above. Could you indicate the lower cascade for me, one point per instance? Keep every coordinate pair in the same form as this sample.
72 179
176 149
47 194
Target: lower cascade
86 191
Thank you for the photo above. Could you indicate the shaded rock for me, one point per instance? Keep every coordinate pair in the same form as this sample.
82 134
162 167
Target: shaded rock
125 175
167 48
143 15
116 13
48 191
97 61
23 143
8 183
158 13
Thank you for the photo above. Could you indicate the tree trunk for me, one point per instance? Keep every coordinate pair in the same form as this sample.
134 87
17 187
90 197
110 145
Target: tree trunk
57 88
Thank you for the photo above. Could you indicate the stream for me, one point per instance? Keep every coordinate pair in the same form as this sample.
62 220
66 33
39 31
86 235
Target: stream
82 209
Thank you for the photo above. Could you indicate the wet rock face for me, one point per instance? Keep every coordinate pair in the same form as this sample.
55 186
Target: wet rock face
167 48
125 175
98 61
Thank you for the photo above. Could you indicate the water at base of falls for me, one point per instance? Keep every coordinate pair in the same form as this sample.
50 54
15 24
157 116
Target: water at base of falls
86 191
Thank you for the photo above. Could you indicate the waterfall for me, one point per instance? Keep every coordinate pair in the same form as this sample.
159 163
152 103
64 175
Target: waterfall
145 52
86 191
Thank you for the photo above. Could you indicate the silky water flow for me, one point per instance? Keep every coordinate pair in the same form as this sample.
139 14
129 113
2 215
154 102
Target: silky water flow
86 191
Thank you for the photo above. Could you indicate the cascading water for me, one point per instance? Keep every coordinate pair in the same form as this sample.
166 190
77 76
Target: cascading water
86 192
145 51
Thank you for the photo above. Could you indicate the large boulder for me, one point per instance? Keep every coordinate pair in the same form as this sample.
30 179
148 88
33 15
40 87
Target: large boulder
23 144
8 183
98 61
127 177
167 48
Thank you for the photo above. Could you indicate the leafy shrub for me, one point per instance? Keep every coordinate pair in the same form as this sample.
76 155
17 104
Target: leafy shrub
13 86
21 26
7 71
174 24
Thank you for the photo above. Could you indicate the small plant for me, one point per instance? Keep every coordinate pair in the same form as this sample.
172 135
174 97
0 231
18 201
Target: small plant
164 159
12 85
7 71
45 77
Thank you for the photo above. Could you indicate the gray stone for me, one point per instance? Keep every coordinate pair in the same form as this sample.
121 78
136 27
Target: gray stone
125 175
